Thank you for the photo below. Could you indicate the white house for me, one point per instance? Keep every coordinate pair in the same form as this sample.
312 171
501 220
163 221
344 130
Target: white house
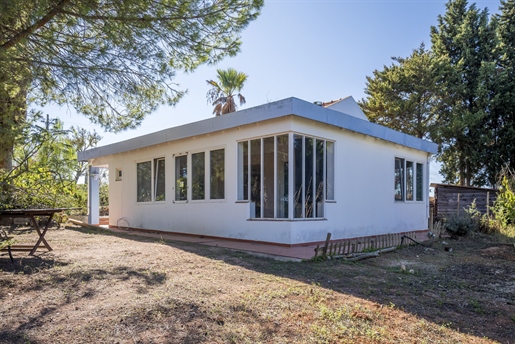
287 172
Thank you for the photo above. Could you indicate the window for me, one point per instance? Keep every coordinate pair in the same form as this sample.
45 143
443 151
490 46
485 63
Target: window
282 176
205 180
159 179
329 170
309 176
181 178
420 182
198 181
144 181
265 174
217 171
409 180
150 181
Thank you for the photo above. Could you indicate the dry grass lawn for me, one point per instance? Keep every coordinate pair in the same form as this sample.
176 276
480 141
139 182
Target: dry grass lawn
102 287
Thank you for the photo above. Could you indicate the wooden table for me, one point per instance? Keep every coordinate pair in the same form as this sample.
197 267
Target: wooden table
31 214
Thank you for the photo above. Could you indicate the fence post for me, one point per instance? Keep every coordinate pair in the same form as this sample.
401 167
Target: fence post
324 250
488 203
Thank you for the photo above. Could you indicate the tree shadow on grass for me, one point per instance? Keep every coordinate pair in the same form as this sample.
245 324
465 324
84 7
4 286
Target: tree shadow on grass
468 289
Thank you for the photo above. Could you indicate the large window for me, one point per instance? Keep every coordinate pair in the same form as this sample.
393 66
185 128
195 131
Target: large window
409 180
265 174
150 181
200 176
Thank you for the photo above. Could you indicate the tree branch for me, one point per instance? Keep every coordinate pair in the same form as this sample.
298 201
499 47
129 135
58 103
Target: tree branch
31 29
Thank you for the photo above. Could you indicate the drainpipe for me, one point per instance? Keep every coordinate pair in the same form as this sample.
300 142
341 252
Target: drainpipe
94 195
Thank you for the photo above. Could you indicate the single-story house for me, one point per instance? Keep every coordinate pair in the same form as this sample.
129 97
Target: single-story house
286 172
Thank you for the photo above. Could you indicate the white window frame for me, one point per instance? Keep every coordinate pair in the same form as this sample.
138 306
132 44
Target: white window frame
291 186
404 184
175 156
153 181
207 175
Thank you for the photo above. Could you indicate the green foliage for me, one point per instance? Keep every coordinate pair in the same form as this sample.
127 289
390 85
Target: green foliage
224 90
113 61
403 95
504 207
45 168
471 220
458 94
465 222
466 37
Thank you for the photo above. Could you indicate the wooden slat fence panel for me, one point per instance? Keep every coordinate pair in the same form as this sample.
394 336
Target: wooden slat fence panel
341 248
451 200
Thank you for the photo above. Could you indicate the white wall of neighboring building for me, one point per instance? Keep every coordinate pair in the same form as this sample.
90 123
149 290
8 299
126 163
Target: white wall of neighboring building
364 189
349 106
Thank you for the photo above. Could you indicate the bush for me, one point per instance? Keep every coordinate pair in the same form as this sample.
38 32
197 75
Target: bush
461 225
504 207
469 221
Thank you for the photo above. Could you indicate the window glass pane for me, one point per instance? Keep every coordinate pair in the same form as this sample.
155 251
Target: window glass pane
144 181
319 178
268 177
297 175
308 177
198 180
409 181
420 182
159 179
217 189
181 178
255 176
399 179
282 176
243 170
329 170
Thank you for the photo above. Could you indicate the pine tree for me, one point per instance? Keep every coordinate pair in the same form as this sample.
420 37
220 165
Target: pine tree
464 37
505 95
113 61
402 96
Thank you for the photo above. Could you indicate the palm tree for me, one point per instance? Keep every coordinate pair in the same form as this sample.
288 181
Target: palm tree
223 92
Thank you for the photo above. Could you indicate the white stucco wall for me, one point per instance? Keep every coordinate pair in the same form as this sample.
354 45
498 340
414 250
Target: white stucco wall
364 189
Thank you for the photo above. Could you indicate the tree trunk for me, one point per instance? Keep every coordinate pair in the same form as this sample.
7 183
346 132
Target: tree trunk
13 113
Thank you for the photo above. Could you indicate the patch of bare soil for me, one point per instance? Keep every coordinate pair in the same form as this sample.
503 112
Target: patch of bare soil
101 287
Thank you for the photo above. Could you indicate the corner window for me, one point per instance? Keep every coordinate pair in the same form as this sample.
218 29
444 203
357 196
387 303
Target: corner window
408 180
266 168
150 181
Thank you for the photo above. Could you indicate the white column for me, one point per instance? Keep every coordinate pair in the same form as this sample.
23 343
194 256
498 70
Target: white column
93 195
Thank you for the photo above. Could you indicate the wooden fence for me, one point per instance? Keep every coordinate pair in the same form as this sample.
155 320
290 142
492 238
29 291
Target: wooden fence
346 247
451 200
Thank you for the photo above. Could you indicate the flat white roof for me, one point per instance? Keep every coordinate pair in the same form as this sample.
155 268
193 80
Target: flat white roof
277 109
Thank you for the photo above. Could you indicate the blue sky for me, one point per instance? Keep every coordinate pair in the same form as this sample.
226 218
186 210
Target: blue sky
312 50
